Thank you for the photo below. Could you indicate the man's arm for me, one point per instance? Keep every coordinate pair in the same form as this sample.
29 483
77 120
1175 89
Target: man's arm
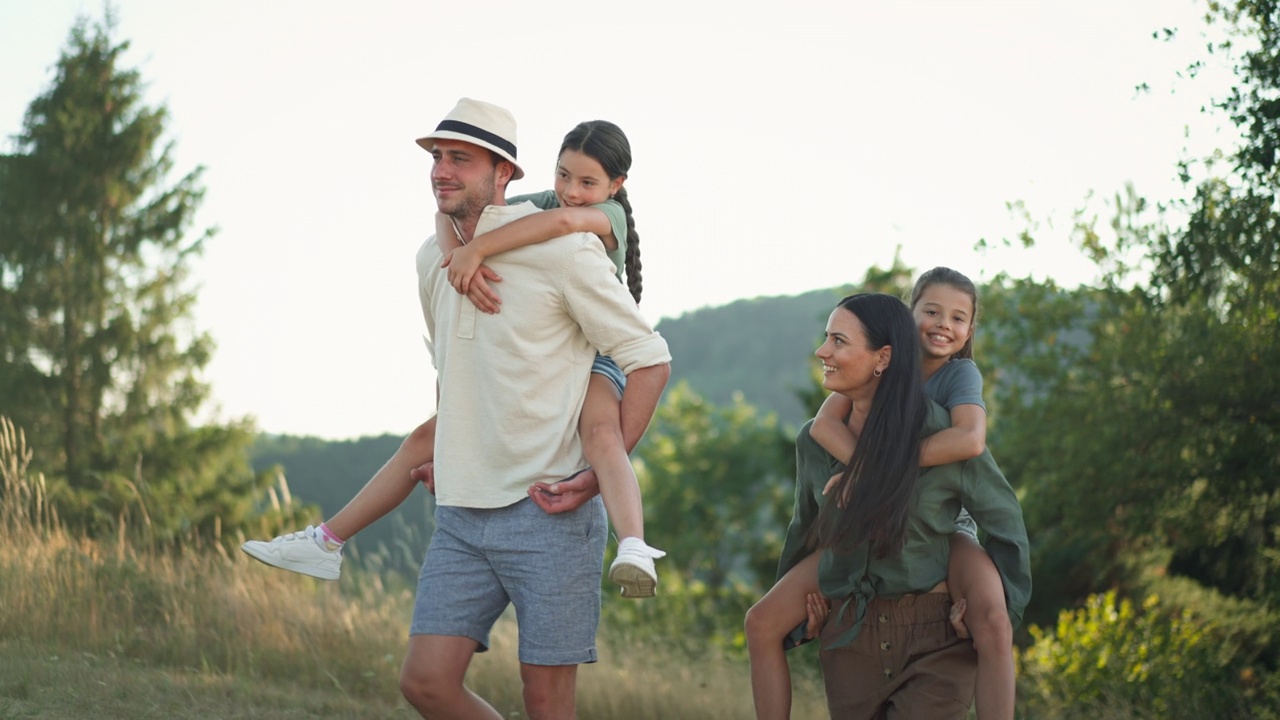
639 401
608 315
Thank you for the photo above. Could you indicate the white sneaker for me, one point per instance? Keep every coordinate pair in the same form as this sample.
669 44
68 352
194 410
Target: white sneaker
633 568
305 551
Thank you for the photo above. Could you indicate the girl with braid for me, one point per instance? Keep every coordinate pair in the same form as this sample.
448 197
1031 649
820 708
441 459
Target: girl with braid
588 197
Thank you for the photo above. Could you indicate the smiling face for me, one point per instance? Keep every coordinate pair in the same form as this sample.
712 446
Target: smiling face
849 365
464 178
944 314
581 180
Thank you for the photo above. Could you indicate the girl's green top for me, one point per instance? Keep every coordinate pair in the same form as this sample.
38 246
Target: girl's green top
612 209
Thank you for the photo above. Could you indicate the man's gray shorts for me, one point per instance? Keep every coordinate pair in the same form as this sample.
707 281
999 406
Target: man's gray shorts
548 566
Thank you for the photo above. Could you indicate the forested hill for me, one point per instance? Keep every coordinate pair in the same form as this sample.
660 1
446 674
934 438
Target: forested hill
762 347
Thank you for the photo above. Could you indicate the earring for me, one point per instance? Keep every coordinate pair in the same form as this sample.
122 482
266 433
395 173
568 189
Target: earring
877 373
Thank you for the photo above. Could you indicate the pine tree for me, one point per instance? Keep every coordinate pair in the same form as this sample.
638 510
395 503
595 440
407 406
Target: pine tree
98 358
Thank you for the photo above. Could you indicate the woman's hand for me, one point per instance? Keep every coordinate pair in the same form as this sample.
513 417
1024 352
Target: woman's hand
818 608
958 609
843 500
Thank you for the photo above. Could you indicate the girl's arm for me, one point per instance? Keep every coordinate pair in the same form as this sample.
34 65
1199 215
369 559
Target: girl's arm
964 440
829 429
445 234
480 294
529 230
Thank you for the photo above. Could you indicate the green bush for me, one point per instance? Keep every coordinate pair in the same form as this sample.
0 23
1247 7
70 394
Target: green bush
1110 659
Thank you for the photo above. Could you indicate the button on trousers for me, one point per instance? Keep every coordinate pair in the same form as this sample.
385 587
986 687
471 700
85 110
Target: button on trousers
907 662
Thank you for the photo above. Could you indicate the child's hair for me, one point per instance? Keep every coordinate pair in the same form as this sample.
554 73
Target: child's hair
958 280
886 460
606 144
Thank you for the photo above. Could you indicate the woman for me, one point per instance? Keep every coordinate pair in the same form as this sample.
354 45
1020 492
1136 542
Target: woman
884 530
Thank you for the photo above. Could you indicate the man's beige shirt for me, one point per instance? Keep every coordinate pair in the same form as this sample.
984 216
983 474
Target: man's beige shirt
512 384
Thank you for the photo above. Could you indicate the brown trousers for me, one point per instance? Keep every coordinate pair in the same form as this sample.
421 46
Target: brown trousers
907 662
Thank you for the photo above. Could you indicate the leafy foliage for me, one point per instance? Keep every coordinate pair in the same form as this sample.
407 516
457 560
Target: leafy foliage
1142 414
717 485
1110 653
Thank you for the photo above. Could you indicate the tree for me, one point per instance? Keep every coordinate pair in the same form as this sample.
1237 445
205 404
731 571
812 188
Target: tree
718 485
1144 418
98 361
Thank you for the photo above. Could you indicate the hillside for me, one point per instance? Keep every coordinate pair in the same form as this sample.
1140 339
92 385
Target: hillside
762 347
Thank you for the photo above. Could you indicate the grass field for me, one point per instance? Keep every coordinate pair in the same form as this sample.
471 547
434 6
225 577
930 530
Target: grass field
89 634
120 629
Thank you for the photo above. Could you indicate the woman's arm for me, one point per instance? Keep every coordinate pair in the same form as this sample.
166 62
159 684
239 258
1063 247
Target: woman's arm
829 429
964 440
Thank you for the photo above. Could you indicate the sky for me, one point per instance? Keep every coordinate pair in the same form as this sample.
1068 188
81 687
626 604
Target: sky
777 148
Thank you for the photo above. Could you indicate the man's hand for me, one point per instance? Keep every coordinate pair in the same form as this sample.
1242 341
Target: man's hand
566 495
425 474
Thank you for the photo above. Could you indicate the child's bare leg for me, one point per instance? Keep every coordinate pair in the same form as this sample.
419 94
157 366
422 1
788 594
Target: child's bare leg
767 625
388 487
600 428
974 579
317 551
602 444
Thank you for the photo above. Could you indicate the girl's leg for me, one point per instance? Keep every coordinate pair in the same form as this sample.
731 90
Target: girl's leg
600 428
767 625
973 579
601 431
388 487
318 551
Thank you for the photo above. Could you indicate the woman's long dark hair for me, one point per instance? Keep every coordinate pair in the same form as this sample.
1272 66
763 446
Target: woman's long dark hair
605 142
886 460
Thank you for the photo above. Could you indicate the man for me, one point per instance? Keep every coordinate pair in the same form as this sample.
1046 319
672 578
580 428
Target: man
510 386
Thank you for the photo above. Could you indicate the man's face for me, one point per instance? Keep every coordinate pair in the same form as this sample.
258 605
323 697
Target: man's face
463 178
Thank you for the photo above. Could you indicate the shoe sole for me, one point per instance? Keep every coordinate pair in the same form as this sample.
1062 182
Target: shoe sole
300 568
635 582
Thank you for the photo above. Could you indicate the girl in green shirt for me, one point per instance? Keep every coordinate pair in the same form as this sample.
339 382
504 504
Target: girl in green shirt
589 196
944 304
770 620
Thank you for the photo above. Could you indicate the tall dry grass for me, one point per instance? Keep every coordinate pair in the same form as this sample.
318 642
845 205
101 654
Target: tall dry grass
143 632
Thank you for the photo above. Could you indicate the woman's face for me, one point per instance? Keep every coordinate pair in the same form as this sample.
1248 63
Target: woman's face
848 365
581 180
944 314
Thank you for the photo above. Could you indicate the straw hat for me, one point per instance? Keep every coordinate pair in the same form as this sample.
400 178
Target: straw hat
479 123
